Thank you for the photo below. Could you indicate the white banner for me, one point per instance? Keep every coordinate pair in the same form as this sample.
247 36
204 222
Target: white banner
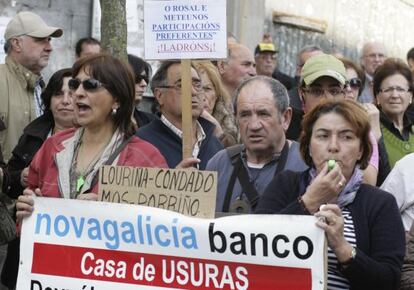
71 244
185 29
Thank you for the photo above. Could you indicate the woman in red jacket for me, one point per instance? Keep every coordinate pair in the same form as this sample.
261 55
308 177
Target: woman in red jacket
66 165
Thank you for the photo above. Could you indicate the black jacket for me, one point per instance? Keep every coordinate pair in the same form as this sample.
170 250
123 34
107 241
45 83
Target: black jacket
29 143
378 227
170 145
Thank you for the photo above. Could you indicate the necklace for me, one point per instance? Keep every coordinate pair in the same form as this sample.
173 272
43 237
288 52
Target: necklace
80 181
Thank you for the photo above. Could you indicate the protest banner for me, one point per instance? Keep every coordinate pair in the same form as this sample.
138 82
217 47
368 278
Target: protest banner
189 192
185 30
75 244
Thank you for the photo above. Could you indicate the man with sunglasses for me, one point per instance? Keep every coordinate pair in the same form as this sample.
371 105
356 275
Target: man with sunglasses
322 76
166 133
28 49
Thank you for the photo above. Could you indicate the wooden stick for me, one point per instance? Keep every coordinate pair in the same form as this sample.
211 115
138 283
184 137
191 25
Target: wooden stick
187 118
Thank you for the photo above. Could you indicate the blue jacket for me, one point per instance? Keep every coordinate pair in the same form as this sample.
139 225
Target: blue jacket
170 145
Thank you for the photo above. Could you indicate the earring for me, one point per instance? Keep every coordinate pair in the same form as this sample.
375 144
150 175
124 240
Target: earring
114 111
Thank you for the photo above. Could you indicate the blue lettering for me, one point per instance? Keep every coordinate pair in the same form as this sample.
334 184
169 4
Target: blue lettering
128 235
111 234
78 229
65 225
175 234
39 219
94 232
148 226
189 241
157 230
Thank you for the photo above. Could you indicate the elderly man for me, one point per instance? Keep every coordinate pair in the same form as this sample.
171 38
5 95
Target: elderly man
28 50
373 55
265 55
166 133
239 66
263 114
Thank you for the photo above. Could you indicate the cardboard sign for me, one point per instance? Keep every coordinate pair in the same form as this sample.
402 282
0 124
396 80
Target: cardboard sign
73 244
189 192
183 29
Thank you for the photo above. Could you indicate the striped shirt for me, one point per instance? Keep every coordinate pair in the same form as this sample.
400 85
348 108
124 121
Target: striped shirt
335 278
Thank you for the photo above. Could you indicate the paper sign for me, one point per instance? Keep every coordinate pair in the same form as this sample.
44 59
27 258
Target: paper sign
185 29
73 244
189 192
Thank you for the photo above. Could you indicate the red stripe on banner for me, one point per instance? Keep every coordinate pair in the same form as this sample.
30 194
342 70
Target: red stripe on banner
163 271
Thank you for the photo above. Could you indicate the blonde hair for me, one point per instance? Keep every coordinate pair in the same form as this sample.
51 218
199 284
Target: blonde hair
214 76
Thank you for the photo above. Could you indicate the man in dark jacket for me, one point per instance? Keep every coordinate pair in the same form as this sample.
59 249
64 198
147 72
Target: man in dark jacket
166 133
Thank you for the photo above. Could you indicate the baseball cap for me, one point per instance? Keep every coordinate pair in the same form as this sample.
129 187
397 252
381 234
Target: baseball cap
265 47
28 23
323 65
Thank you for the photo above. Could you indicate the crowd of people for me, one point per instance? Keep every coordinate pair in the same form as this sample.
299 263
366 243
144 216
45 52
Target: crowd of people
335 141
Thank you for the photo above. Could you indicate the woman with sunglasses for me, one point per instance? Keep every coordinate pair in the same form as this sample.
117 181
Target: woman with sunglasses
142 73
393 92
66 165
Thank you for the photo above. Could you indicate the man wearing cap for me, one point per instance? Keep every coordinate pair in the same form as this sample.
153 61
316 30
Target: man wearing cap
28 50
323 76
266 64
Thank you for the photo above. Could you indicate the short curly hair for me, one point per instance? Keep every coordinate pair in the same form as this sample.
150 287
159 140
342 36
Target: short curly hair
352 112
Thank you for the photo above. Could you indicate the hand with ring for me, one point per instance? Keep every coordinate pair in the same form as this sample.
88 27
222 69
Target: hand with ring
331 221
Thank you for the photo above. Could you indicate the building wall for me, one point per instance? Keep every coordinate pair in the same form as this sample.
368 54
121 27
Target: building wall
351 23
73 16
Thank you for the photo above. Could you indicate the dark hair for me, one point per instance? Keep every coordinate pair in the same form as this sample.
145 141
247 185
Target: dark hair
352 112
54 86
360 73
82 41
119 81
410 54
160 77
391 66
279 92
138 66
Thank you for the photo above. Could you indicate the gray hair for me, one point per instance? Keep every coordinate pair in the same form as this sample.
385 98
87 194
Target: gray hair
279 92
308 48
160 77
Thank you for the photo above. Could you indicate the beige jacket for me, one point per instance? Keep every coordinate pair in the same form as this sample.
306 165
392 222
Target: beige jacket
17 105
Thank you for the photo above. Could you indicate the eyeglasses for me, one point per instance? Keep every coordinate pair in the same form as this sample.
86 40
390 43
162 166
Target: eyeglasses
197 85
354 83
88 84
375 55
398 89
139 78
318 92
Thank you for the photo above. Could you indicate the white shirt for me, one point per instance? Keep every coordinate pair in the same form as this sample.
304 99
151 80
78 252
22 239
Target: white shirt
400 183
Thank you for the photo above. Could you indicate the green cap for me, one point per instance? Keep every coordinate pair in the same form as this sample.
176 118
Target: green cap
323 65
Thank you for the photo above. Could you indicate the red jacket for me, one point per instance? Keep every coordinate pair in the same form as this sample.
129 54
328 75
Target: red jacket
43 171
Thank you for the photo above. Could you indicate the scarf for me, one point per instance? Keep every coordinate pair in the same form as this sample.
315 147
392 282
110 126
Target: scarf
348 193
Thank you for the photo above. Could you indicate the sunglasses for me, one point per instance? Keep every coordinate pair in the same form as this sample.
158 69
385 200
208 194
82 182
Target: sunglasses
139 78
354 83
88 84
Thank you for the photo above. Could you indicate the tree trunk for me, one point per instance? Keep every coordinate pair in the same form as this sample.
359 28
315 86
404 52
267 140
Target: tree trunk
114 28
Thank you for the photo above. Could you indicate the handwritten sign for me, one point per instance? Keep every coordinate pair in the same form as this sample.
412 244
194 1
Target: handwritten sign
75 244
183 29
189 192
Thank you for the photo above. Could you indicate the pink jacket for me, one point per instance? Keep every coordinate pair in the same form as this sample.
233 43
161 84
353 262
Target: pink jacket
44 172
